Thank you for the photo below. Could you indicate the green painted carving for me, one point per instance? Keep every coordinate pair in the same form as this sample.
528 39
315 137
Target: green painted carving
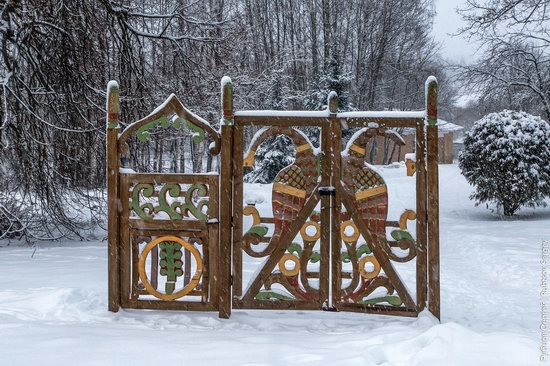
363 249
170 264
259 230
314 257
143 133
145 210
392 300
177 209
296 249
269 295
170 209
198 133
196 211
402 234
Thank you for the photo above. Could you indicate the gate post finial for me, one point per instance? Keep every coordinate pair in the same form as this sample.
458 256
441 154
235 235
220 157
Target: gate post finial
227 101
332 102
113 104
431 100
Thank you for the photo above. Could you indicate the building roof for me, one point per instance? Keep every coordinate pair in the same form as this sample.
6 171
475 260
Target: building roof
443 128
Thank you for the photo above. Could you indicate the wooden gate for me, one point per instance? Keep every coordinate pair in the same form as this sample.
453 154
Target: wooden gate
163 228
331 236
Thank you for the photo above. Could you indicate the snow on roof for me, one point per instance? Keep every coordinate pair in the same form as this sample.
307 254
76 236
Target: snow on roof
445 126
442 127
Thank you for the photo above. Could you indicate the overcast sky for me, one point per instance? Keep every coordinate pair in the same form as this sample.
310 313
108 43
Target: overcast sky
447 21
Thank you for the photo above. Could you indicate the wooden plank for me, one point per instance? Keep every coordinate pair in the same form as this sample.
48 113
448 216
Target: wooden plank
378 309
296 121
433 222
336 244
203 234
352 122
213 242
226 191
124 243
113 220
238 170
421 219
274 305
170 305
181 225
326 146
158 178
134 259
113 209
383 122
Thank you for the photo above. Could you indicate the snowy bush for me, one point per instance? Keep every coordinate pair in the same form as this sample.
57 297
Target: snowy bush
506 157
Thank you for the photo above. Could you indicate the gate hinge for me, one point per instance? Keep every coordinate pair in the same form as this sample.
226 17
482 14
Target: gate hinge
327 191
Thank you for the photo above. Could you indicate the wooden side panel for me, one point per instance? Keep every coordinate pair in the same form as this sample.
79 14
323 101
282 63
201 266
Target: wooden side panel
113 111
113 217
336 265
421 218
325 264
226 208
214 240
237 158
433 221
124 230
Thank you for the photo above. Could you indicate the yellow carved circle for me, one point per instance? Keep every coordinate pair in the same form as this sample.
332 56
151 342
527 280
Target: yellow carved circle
364 273
308 237
143 275
344 236
289 272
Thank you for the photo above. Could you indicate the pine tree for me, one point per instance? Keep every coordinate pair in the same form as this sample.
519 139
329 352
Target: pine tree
506 157
274 154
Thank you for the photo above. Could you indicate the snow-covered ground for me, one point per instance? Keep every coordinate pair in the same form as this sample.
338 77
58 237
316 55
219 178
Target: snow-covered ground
53 308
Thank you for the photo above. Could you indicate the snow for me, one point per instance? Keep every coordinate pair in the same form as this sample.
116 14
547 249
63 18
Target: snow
53 304
274 113
410 156
111 85
383 114
225 80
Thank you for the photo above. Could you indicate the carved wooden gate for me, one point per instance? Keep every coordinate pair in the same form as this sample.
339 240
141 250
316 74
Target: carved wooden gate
163 228
330 237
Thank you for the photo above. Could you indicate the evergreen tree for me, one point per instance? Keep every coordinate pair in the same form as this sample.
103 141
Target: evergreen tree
274 154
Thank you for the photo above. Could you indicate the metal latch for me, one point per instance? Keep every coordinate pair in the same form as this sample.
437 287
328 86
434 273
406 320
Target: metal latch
327 191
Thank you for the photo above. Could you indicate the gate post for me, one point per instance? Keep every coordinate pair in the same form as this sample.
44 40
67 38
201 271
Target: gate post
113 110
433 197
226 199
335 157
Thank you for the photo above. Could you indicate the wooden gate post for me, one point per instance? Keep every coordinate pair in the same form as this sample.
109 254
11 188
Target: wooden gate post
113 111
226 199
335 171
433 197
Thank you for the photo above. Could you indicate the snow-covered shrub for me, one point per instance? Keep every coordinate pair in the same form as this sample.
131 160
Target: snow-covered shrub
506 157
273 154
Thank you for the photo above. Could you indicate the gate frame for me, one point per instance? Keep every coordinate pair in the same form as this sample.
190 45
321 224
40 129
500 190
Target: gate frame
427 190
